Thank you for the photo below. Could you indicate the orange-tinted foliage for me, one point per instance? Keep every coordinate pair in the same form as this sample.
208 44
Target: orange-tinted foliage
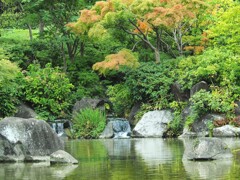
104 7
169 16
115 61
195 49
233 121
89 16
172 12
220 122
143 27
204 39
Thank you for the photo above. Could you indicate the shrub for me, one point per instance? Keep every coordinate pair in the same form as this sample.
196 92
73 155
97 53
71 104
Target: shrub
120 96
151 83
10 89
48 90
215 66
37 50
177 124
87 84
219 100
89 123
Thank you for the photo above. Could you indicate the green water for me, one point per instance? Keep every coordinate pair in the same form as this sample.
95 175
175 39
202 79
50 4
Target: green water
126 159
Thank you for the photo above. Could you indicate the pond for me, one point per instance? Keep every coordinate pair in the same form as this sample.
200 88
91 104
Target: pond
127 159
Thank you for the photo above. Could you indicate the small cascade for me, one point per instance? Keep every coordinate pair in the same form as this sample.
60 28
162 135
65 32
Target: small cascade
117 128
58 126
121 128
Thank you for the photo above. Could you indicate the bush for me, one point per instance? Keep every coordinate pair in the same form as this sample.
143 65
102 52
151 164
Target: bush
215 66
87 84
37 50
120 96
219 100
177 124
10 89
219 68
48 90
151 83
89 123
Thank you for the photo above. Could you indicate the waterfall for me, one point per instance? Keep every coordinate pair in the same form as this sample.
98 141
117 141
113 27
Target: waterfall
58 126
117 128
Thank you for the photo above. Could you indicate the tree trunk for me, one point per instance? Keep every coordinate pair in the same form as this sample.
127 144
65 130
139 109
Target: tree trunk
82 48
157 55
64 58
41 27
30 32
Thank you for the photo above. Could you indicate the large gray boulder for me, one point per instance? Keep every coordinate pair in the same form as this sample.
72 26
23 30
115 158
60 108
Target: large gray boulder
107 132
226 131
27 137
153 124
205 149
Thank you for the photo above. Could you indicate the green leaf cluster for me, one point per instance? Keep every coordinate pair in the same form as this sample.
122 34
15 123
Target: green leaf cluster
120 96
218 100
176 126
151 82
225 31
219 67
10 89
48 90
87 84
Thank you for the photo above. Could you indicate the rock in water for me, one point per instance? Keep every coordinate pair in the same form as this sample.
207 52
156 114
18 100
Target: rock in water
27 137
226 131
61 156
205 149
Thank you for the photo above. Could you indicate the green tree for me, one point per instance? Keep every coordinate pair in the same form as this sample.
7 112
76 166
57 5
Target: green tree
147 21
225 31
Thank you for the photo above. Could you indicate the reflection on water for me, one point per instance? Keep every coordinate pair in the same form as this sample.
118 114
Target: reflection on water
207 169
118 148
126 159
35 171
154 151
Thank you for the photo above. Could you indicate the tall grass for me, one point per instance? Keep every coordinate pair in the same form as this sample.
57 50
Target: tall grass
89 123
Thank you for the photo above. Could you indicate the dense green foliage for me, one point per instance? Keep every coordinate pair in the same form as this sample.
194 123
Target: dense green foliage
218 67
48 90
87 84
10 90
151 82
191 41
218 101
120 96
89 123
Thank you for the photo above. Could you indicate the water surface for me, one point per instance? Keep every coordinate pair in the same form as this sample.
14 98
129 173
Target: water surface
126 159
